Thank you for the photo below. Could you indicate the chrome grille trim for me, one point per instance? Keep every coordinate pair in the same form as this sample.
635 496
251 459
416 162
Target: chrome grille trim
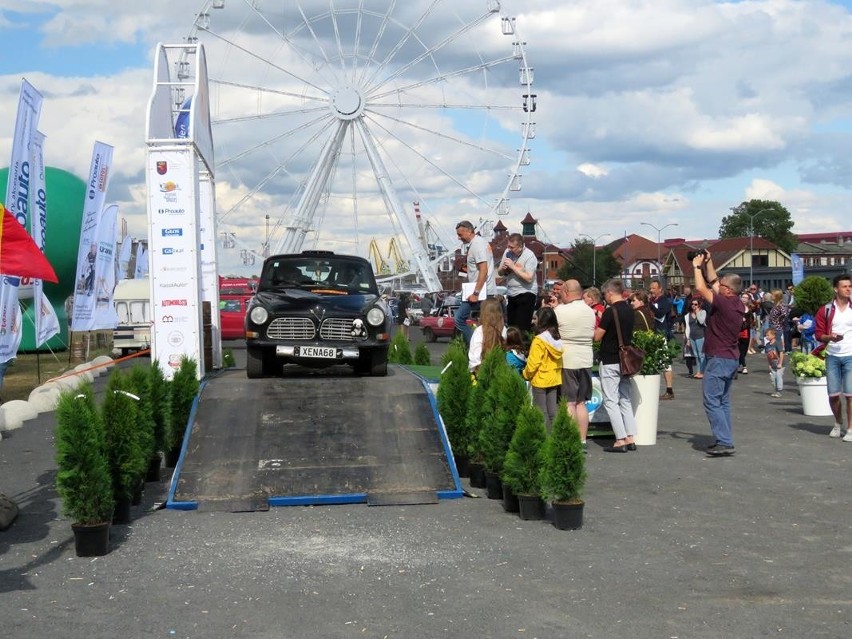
291 328
338 329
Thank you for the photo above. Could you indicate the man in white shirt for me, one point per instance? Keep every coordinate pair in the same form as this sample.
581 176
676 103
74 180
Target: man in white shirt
480 273
519 267
577 331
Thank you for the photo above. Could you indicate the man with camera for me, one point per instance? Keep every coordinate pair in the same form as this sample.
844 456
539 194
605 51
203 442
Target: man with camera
518 266
721 337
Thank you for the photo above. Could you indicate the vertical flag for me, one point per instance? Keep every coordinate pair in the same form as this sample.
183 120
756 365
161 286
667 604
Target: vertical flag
85 298
141 262
124 257
105 315
10 317
798 268
18 199
46 322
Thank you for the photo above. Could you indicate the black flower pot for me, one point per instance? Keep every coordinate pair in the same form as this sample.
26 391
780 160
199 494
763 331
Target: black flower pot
477 475
153 473
510 500
568 516
493 485
136 499
462 465
121 514
91 541
172 457
530 507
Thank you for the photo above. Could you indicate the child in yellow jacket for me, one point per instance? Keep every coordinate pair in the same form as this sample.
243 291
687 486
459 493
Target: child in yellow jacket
544 364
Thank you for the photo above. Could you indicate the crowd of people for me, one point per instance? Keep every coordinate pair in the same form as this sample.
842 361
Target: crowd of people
720 321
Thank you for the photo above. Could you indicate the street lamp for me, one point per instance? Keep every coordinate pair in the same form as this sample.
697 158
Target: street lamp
594 254
751 242
659 230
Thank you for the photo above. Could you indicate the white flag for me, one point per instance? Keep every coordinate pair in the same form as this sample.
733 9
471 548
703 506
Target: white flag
85 298
10 318
141 262
124 257
18 204
46 322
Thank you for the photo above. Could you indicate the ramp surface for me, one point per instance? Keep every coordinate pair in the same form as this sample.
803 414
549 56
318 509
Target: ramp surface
313 437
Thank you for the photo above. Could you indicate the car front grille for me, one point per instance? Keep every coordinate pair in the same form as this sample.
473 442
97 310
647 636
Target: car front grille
338 329
291 328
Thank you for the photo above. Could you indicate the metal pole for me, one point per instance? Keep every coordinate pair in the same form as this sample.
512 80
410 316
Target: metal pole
659 230
594 255
751 243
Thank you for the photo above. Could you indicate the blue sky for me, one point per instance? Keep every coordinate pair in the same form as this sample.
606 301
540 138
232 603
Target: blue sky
660 111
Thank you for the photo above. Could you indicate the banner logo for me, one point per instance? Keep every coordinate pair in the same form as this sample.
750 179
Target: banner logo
172 251
174 303
162 167
177 232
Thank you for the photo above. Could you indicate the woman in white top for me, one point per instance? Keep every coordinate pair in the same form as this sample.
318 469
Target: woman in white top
491 332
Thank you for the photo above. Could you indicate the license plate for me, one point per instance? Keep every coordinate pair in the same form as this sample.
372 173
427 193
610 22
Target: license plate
321 352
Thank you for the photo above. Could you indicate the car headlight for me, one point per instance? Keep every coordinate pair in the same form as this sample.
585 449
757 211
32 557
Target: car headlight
259 315
375 316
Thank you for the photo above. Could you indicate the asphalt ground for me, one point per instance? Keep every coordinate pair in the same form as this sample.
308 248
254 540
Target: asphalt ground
674 545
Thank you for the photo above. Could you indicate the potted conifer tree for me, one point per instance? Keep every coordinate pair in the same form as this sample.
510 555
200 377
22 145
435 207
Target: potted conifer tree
127 460
563 475
161 408
139 380
184 388
477 414
453 391
522 467
503 400
83 479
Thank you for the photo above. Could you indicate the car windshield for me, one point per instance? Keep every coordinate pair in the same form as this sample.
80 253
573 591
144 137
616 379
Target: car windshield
339 275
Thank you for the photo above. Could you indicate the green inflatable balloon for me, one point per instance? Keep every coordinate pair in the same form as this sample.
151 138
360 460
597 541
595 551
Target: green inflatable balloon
65 196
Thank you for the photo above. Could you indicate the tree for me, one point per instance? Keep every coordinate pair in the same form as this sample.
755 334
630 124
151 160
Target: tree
581 267
770 221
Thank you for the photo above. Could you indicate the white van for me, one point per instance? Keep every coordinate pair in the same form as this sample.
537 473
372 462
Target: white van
133 307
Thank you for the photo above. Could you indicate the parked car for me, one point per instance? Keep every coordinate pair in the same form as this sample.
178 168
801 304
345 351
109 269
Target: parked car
317 309
234 297
440 324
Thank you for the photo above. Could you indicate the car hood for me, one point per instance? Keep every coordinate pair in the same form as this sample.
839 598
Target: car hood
294 300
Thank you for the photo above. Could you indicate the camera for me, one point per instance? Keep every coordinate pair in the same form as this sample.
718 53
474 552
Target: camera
691 255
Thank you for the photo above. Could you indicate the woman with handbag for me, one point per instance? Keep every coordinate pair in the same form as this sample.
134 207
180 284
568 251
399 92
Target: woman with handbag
696 320
614 332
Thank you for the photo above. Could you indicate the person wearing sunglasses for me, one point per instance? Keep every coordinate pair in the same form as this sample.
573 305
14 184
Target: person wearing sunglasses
721 348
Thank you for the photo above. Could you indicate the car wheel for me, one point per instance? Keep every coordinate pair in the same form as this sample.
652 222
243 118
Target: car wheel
254 363
379 364
429 335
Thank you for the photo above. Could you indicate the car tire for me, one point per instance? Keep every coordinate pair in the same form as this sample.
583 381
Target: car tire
379 364
429 335
254 363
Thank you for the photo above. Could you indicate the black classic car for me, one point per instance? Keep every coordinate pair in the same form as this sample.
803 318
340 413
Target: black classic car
317 309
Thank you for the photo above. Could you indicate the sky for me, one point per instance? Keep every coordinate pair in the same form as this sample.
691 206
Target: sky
652 116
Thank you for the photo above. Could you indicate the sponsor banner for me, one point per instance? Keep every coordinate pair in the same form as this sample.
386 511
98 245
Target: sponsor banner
174 256
209 276
18 204
10 318
105 315
46 322
798 268
85 296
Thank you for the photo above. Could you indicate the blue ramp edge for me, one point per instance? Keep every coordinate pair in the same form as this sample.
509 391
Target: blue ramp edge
170 500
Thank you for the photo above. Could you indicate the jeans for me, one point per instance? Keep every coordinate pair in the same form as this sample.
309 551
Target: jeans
462 315
838 369
716 388
616 396
698 351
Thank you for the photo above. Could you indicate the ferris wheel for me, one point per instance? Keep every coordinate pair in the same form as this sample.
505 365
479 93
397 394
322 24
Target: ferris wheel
331 117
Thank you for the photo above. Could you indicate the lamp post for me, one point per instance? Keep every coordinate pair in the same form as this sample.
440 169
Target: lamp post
751 242
594 254
659 230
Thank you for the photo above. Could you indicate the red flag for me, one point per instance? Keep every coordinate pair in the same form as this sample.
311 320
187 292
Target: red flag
19 254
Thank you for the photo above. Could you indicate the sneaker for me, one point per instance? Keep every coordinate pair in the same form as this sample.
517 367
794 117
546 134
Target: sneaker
744 371
848 436
775 394
835 432
720 450
666 396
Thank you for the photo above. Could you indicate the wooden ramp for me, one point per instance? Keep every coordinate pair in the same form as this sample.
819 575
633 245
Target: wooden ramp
313 437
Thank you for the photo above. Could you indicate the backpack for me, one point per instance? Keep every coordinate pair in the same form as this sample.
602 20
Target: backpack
827 309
